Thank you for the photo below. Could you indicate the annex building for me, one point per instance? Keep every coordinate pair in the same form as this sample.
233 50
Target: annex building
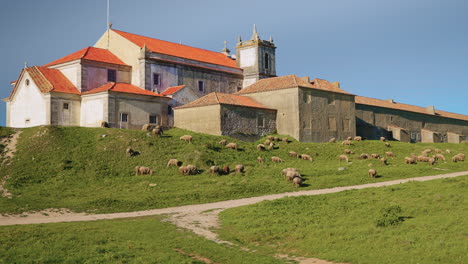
127 80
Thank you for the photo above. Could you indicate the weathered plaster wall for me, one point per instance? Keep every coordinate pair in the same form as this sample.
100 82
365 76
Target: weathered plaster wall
93 109
95 75
72 71
65 117
28 107
205 119
242 122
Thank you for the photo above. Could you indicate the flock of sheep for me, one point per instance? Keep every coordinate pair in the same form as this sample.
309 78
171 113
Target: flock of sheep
292 174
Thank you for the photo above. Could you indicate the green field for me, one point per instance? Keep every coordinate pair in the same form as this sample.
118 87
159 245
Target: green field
417 222
79 169
139 240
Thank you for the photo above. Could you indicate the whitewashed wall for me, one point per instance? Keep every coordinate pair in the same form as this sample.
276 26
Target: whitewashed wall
93 109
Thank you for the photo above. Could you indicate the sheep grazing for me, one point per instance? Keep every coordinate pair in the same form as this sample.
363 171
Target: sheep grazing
157 131
389 154
346 142
183 170
343 157
426 151
358 138
458 157
186 138
232 146
260 160
372 173
348 151
332 140
437 150
226 170
290 174
349 138
297 181
147 127
382 139
383 161
192 169
271 138
260 147
293 154
239 168
364 156
306 157
448 151
223 142
387 145
422 158
439 157
173 162
131 153
214 169
409 160
277 139
276 159
285 171
142 170
267 142
431 161
271 146
285 140
375 156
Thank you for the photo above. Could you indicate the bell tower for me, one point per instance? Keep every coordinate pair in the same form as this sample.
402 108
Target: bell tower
256 57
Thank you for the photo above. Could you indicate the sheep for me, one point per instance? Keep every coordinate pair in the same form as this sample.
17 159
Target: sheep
364 156
271 138
276 159
232 146
214 169
290 174
437 150
343 157
387 145
284 172
276 139
260 160
226 170
383 161
186 138
409 160
192 169
372 173
105 124
422 158
306 157
147 127
375 155
358 138
382 139
173 162
271 146
348 151
448 151
349 138
267 142
426 151
293 154
239 168
346 142
458 157
183 170
223 142
285 140
332 140
389 154
260 147
297 181
439 157
431 161
157 131
130 152
142 170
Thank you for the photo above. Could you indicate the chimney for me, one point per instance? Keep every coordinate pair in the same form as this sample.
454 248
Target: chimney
306 78
336 84
430 110
390 101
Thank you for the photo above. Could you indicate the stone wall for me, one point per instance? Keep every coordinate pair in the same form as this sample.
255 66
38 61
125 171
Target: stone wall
247 123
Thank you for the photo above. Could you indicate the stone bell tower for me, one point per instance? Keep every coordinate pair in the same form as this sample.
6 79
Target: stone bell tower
256 57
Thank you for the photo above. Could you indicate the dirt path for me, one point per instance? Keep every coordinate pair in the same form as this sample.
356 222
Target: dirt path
8 153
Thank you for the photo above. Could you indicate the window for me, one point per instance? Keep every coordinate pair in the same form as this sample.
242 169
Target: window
123 117
156 79
169 110
332 124
260 120
65 106
267 61
347 125
418 136
331 99
239 88
201 86
27 82
413 136
111 75
153 119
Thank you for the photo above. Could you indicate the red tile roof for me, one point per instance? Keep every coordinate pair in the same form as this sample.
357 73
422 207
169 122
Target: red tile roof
123 88
172 90
227 99
179 50
91 54
290 81
406 107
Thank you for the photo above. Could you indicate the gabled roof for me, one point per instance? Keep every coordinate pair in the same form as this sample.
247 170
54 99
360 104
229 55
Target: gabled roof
406 107
123 88
179 50
290 81
91 54
227 99
172 90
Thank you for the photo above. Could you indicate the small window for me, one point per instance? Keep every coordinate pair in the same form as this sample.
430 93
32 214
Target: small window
123 117
111 75
267 61
65 106
156 79
391 118
260 120
201 86
331 99
239 88
169 110
332 124
27 82
153 119
413 136
418 136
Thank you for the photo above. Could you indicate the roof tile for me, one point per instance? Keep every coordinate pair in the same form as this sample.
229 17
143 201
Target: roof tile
123 88
91 54
227 99
172 90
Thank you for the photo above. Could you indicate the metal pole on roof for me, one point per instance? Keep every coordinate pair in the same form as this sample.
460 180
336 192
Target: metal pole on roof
107 26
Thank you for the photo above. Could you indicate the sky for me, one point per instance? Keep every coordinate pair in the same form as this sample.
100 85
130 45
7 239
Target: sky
413 51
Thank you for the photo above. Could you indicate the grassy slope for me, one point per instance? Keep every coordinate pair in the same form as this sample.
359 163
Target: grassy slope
77 168
143 240
4 132
342 226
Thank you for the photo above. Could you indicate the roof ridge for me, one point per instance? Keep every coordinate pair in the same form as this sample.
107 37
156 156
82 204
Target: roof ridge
85 53
216 97
45 78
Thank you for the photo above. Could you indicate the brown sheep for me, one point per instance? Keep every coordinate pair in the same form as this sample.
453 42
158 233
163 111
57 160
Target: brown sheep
382 139
389 154
104 124
290 174
437 150
426 151
364 156
192 169
183 170
186 138
285 140
383 161
422 158
157 131
271 138
439 157
147 127
375 155
260 147
346 142
173 162
141 170
276 159
343 157
306 157
214 169
409 160
232 146
387 145
293 154
332 140
349 138
239 168
358 138
267 142
260 160
448 151
348 151
223 142
277 139
226 170
372 173
297 181
431 161
285 171
271 146
458 157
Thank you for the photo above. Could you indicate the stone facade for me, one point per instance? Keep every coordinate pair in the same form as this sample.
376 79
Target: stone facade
247 123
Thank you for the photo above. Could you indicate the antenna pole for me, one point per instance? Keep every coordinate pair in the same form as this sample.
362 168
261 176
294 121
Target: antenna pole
107 26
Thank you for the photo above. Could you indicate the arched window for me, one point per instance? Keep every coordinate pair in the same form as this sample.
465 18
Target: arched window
267 61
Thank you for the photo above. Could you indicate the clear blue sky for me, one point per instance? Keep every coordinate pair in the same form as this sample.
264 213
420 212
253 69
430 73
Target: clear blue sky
414 51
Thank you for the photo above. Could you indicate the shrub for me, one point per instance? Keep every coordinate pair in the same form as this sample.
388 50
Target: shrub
390 216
